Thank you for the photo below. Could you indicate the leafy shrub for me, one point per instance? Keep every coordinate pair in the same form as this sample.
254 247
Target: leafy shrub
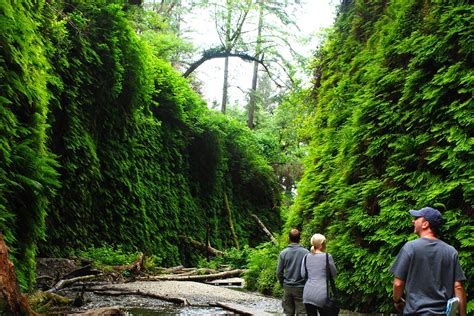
234 258
152 262
109 255
261 275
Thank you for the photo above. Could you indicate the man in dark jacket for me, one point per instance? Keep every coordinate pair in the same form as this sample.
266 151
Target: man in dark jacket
289 274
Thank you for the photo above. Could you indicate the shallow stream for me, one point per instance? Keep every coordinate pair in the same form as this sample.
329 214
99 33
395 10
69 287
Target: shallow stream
144 306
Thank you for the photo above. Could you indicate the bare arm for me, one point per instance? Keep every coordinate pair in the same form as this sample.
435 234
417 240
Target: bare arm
459 292
398 287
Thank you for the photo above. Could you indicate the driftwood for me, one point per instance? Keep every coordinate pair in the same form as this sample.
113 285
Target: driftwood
101 311
11 299
206 277
199 271
111 291
65 282
204 247
265 230
180 270
176 269
232 308
134 266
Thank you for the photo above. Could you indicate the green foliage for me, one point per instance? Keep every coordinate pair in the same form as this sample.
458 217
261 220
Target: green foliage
27 168
163 39
136 148
389 128
261 275
109 255
108 144
233 257
152 262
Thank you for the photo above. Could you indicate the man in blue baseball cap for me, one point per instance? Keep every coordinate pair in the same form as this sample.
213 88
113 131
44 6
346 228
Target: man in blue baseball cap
427 269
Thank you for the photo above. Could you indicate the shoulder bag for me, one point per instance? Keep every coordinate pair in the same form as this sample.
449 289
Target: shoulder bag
332 305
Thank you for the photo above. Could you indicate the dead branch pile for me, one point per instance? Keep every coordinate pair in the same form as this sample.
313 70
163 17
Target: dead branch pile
196 278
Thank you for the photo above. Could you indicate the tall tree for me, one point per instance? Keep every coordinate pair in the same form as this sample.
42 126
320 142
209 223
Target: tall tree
229 21
253 90
272 36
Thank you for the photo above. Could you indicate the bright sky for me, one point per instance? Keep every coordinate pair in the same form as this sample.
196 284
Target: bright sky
313 16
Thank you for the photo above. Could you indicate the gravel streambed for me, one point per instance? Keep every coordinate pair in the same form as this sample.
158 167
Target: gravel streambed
199 295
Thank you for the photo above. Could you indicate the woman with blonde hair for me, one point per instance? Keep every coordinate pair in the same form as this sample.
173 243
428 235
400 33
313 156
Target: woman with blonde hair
313 267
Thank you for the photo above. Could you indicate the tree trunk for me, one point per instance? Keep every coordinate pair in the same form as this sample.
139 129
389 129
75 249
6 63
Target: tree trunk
228 44
12 302
225 86
231 221
200 245
253 97
265 229
253 90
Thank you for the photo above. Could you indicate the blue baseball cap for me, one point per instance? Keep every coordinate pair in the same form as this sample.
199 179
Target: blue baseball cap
433 216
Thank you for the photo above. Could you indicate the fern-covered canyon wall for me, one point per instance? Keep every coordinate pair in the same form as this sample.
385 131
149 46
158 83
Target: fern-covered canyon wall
391 130
103 142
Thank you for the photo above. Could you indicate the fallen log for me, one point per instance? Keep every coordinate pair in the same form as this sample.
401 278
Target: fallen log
171 270
86 285
233 308
176 270
136 266
240 309
49 303
12 301
101 311
204 247
66 282
111 291
199 271
265 229
205 277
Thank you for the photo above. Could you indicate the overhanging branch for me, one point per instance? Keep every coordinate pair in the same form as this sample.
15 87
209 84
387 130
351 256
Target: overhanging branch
213 54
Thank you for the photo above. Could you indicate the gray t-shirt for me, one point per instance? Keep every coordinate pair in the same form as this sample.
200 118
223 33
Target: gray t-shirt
429 268
289 265
315 292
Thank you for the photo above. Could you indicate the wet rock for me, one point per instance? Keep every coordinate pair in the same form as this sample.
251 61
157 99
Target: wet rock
50 270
